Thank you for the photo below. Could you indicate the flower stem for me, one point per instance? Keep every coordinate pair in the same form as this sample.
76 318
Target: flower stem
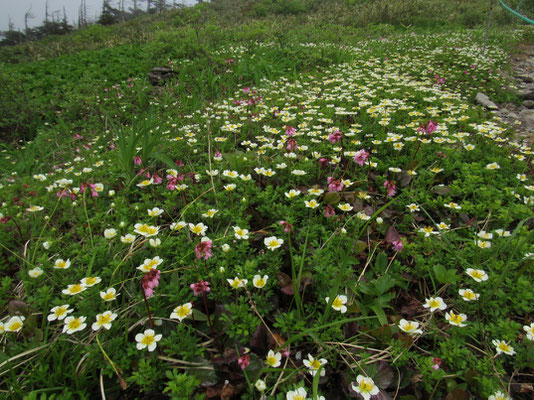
147 308
207 312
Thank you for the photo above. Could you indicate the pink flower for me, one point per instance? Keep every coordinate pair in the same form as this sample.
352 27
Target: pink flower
390 187
203 249
217 154
334 185
244 361
398 245
287 226
329 211
78 136
323 162
361 157
150 281
200 287
291 144
137 160
246 90
290 131
335 136
437 363
156 179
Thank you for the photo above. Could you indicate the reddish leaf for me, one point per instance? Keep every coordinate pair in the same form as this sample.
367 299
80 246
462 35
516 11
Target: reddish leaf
392 235
457 394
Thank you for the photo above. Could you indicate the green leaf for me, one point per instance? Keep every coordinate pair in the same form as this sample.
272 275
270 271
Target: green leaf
444 275
332 198
379 311
381 262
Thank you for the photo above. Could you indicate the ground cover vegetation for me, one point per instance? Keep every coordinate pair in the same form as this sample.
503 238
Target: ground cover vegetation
310 209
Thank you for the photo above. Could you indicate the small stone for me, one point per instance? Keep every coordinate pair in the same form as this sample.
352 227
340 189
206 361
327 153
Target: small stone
485 101
528 103
526 94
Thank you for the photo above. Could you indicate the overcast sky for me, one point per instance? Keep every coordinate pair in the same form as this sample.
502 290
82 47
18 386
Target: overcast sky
15 9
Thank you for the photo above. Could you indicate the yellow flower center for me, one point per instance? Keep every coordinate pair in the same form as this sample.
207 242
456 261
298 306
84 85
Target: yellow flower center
477 274
504 347
90 281
271 360
74 324
315 364
337 303
197 229
410 326
298 397
109 296
468 294
15 325
148 340
60 311
182 311
260 282
366 386
104 319
77 288
456 318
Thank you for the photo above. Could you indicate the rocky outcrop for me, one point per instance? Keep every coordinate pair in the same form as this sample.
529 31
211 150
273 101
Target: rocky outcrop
159 76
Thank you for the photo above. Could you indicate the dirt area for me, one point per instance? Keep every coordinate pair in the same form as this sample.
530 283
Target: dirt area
522 77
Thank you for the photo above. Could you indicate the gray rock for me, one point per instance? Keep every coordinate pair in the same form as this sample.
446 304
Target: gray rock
159 76
526 94
528 103
485 101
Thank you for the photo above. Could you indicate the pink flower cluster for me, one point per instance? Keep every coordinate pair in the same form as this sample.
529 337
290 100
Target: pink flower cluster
150 281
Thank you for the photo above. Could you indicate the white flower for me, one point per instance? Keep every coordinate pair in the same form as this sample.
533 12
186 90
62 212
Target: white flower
273 359
34 208
292 193
413 207
339 303
35 272
499 396
530 331
237 282
61 264
176 226
240 233
91 281
225 247
410 327
150 263
155 212
456 319
110 233
147 339
74 289
59 312
478 275
46 245
104 320
435 303
365 387
468 294
273 242
493 166
73 324
259 282
311 204
146 230
198 229
260 385
154 242
109 295
210 213
14 324
502 347
314 364
181 312
345 207
299 394
128 238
